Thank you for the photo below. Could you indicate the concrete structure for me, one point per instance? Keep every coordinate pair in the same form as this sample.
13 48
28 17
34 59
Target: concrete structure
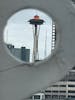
63 89
20 53
19 80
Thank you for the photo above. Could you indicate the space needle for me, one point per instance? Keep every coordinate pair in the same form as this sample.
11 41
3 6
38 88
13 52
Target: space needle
36 22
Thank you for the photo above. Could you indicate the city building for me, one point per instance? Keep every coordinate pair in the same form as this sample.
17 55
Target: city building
53 43
21 53
64 89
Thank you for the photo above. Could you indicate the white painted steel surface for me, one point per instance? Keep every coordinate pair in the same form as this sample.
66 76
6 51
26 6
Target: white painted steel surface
19 80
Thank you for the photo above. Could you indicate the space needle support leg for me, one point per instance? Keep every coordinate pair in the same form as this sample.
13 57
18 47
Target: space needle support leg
35 44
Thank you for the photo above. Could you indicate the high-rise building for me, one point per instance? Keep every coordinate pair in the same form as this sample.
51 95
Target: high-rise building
53 36
20 53
25 54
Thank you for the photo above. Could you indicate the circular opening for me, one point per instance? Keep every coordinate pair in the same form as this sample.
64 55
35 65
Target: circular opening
30 35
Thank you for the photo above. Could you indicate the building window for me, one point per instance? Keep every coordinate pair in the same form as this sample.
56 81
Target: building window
47 91
55 91
62 86
62 91
55 96
70 96
37 97
71 91
71 85
47 96
62 96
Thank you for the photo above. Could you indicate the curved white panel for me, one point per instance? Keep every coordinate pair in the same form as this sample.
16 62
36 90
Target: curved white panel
18 81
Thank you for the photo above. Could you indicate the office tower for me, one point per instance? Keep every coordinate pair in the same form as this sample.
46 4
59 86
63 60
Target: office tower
21 53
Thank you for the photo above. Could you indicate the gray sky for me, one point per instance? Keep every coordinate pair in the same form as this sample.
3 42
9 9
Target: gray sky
20 33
